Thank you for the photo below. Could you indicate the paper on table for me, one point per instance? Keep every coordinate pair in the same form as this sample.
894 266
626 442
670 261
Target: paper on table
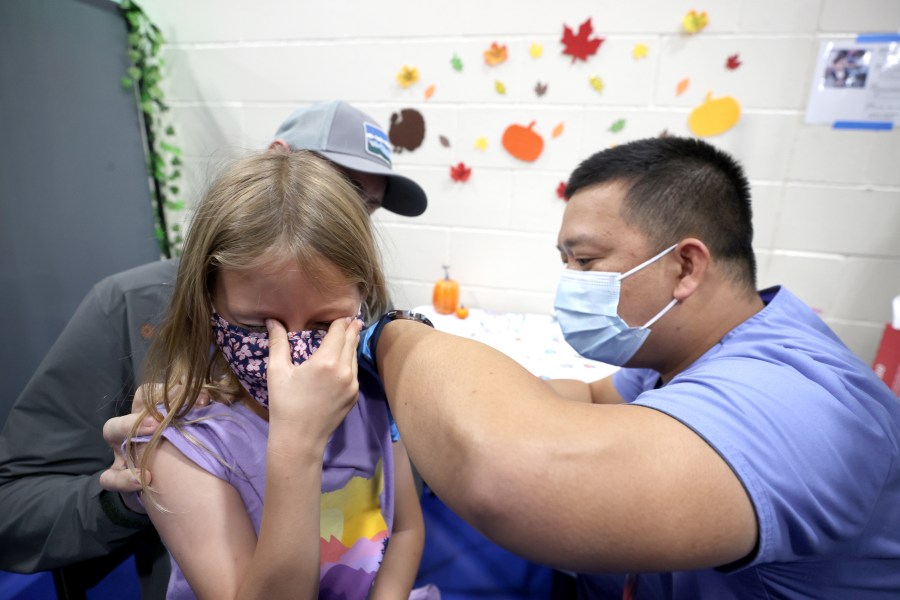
534 341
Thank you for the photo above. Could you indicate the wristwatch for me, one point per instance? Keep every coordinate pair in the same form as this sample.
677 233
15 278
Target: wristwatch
368 337
409 315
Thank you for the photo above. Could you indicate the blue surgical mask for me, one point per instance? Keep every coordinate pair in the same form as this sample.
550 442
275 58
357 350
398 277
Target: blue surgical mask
587 304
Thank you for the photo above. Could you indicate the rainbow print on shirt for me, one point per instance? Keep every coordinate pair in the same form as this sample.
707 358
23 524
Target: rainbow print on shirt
353 537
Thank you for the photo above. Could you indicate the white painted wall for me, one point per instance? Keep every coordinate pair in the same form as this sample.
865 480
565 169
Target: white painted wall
827 202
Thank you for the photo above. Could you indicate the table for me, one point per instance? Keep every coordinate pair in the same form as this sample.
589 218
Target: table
532 340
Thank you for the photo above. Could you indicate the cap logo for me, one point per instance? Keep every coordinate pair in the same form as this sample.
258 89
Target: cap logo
377 142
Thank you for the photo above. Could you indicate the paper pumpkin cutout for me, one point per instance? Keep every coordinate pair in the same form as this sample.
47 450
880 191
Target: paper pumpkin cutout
481 143
617 126
499 87
597 83
561 191
495 55
407 76
456 63
407 129
733 62
714 116
523 142
682 86
460 173
536 50
429 91
639 51
580 45
694 22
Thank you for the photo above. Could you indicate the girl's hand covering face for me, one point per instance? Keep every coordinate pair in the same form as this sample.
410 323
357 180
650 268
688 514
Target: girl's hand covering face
316 395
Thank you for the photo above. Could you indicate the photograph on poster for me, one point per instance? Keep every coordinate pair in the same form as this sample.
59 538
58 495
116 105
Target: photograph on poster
847 68
857 82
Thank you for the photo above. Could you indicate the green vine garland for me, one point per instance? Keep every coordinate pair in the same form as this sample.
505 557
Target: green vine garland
164 156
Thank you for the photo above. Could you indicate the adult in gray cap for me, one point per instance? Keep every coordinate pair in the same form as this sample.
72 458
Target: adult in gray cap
354 142
53 513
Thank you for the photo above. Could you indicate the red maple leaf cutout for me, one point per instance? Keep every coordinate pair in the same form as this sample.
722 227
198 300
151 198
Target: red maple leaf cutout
460 172
733 62
580 46
561 191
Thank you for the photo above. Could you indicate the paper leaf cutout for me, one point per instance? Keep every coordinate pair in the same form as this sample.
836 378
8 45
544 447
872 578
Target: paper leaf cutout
460 172
536 50
579 46
617 126
597 83
407 76
499 87
540 89
407 129
639 51
682 85
694 22
429 91
733 62
444 141
456 63
481 144
495 55
523 142
558 130
714 116
561 191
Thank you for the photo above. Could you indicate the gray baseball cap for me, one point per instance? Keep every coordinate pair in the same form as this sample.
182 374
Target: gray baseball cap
352 139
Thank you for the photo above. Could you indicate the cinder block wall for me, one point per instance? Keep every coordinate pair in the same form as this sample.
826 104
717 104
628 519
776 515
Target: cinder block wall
827 202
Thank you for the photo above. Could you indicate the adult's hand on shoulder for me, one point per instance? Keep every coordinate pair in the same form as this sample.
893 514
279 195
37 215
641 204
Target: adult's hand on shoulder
118 477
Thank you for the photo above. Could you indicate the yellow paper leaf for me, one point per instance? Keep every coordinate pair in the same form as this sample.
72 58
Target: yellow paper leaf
536 50
429 91
682 85
597 83
557 131
714 116
498 85
639 51
407 76
694 22
481 144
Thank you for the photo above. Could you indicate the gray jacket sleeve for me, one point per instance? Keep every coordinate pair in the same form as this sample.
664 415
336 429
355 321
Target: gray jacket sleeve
51 447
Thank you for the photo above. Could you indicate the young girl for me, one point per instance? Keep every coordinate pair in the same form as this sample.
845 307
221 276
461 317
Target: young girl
289 485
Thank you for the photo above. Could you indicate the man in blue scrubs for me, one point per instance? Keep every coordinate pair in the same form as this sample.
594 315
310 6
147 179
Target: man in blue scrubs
743 451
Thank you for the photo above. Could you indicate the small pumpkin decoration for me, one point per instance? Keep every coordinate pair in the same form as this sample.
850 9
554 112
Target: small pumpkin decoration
462 312
445 297
523 142
714 116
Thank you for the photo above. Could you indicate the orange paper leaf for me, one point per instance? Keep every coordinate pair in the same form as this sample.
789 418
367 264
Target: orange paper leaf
495 55
557 131
682 85
429 91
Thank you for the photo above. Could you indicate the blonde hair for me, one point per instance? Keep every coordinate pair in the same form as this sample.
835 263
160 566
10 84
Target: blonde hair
263 207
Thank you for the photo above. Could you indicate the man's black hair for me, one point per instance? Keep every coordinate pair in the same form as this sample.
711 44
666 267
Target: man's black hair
678 188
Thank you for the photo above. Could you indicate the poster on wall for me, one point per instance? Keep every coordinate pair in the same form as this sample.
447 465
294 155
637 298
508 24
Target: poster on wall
856 83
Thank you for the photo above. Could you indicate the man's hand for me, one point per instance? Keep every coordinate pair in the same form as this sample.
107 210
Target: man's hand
118 477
